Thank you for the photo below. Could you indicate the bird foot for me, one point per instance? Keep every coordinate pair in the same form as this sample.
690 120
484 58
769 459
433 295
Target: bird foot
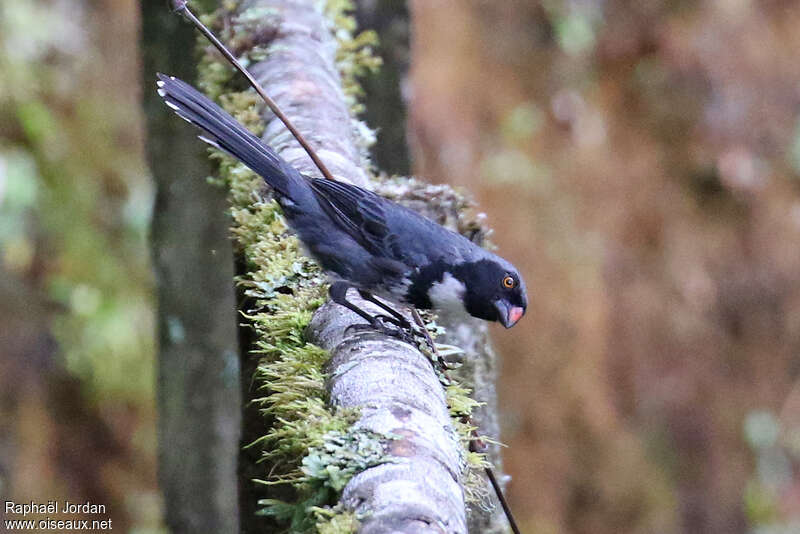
385 325
394 321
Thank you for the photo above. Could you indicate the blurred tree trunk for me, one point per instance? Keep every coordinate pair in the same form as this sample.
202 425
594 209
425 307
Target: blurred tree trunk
384 102
198 365
47 422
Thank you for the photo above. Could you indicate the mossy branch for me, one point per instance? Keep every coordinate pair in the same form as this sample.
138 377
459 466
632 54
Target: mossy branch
355 419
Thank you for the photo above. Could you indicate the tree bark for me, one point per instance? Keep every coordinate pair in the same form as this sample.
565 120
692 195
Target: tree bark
198 366
399 394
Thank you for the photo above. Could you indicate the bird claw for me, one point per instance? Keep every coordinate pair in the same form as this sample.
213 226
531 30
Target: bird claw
394 321
385 320
385 325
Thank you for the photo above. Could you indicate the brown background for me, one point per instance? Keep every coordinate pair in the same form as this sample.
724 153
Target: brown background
639 160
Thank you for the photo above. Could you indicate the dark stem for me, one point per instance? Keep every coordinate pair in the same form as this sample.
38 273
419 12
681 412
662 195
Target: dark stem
180 7
502 499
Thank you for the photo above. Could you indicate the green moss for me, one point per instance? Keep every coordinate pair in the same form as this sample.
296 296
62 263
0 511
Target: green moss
326 469
458 400
335 520
461 405
215 75
355 56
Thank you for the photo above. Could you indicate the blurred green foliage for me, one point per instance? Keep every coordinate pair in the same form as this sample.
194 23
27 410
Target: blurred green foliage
769 493
75 204
574 24
794 150
75 198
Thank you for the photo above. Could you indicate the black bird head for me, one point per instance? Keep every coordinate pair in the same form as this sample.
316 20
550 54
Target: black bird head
493 290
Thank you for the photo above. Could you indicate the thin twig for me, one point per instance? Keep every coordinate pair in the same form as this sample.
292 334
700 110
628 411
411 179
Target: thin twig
428 339
180 7
502 499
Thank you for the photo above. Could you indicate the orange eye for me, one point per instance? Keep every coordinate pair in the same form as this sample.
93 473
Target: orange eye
508 282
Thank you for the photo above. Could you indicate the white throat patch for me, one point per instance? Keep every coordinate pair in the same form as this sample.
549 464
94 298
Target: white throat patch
447 294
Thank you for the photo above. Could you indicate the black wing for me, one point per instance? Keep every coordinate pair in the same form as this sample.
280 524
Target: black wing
387 229
358 211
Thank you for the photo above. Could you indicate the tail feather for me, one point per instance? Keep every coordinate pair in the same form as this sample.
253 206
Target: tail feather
225 133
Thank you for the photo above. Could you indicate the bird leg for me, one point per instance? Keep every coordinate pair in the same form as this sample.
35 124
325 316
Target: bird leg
396 317
338 294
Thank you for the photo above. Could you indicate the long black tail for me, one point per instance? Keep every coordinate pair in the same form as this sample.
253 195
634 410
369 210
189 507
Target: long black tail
224 132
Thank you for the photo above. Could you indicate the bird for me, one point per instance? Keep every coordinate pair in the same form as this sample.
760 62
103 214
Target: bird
362 240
